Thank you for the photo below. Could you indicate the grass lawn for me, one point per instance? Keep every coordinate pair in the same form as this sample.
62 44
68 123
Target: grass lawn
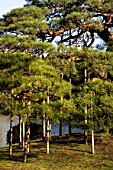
66 153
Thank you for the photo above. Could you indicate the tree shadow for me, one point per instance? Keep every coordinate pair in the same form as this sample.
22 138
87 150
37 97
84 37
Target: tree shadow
4 154
74 142
74 138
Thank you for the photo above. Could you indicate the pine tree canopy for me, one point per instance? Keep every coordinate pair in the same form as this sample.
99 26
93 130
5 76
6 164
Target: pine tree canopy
46 50
77 22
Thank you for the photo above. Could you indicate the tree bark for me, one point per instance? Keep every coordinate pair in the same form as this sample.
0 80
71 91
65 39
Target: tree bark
85 129
23 135
11 136
48 134
92 131
60 128
48 129
27 141
50 124
92 141
69 126
86 136
25 152
20 130
28 136
43 127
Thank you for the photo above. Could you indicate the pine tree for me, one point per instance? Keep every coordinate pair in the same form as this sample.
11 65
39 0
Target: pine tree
76 22
22 69
27 37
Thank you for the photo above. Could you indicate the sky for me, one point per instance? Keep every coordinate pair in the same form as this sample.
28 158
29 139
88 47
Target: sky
8 5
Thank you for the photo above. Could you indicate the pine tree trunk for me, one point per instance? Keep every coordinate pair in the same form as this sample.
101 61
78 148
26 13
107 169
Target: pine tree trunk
27 141
92 131
48 129
60 128
25 152
28 136
43 127
69 117
48 134
50 122
86 136
70 82
85 129
23 134
20 130
69 126
11 136
92 141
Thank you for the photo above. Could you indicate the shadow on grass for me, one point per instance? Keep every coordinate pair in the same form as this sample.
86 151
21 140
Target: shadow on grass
75 138
74 142
4 155
37 148
38 144
17 154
